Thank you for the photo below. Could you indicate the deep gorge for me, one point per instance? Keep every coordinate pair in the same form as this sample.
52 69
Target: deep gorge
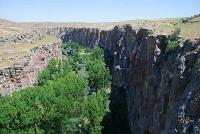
162 86
154 90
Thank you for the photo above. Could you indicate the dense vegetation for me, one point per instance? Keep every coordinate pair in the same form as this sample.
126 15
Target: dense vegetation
70 97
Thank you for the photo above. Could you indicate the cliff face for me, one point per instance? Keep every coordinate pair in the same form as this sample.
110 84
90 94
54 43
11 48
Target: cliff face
156 90
163 91
162 87
24 74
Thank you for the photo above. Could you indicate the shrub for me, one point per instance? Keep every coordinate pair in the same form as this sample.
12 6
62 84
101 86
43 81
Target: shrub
175 34
172 45
173 42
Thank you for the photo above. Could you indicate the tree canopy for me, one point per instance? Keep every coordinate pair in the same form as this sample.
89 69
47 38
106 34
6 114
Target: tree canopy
62 100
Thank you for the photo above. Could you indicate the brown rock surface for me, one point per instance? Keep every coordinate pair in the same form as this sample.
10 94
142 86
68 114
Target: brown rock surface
162 87
24 74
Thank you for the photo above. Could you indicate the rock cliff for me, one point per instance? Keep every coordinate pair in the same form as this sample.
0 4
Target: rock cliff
24 74
156 90
163 90
162 87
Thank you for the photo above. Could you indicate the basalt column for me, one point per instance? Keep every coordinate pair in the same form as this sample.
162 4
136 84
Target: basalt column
154 90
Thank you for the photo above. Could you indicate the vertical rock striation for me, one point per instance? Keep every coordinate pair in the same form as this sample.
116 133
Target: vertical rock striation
157 90
162 86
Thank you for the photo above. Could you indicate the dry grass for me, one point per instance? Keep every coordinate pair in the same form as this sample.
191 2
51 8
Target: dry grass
8 55
14 52
6 63
189 30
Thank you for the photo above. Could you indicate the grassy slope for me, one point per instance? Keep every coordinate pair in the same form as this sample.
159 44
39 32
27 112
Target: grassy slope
189 30
14 52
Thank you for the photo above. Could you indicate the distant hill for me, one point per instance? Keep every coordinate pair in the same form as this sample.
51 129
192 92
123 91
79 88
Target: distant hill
190 26
5 22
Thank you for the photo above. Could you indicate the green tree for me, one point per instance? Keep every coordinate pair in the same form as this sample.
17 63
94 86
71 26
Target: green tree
99 75
52 69
97 53
60 103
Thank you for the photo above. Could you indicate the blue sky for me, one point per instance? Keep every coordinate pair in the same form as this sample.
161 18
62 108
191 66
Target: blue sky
95 10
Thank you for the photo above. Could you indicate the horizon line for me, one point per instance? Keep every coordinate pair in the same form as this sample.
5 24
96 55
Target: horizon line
114 21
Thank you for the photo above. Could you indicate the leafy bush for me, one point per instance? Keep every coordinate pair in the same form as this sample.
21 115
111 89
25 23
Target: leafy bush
175 34
186 20
60 103
172 45
173 42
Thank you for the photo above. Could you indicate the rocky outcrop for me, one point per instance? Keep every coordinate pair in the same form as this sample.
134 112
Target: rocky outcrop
85 36
16 38
158 90
89 37
24 74
163 91
58 32
162 86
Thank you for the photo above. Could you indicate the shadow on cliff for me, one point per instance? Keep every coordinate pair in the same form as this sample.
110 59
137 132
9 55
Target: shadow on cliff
116 121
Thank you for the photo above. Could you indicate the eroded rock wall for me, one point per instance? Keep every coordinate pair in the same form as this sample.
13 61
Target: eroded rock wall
25 73
162 86
117 45
58 32
163 90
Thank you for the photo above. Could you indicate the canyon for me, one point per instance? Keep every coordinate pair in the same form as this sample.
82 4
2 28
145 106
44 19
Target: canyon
160 88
